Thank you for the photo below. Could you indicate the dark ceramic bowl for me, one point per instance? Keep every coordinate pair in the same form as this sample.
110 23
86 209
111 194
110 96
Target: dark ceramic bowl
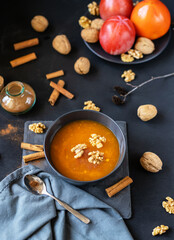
84 115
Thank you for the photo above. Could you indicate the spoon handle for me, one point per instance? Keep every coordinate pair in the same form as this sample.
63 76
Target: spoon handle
71 210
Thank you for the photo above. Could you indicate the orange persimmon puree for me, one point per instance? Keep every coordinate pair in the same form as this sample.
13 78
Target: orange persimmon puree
78 132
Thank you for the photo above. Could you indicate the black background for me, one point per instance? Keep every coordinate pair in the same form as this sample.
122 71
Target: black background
148 189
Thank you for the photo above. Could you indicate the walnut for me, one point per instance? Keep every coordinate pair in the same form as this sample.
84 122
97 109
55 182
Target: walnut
39 23
160 230
135 53
37 127
147 112
126 57
79 150
82 65
84 22
97 23
61 44
1 83
90 35
151 162
97 140
168 205
135 3
145 45
89 105
95 157
93 8
128 75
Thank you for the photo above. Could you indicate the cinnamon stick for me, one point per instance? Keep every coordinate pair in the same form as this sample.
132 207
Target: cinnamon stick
55 74
118 186
33 156
32 147
61 90
55 94
21 60
25 44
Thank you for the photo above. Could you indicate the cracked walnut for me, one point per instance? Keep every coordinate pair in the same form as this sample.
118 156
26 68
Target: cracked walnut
169 205
97 140
93 8
160 230
79 150
128 75
37 127
84 22
95 157
89 105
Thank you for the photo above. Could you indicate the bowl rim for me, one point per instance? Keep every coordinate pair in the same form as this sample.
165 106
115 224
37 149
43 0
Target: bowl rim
70 180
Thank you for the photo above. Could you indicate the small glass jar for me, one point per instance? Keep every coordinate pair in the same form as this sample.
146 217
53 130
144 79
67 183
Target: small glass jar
17 97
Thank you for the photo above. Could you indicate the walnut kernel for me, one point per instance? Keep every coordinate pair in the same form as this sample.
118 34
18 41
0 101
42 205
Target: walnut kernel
168 205
97 23
61 44
147 112
82 65
89 105
79 150
97 140
84 22
126 57
37 127
135 53
145 45
151 162
39 23
95 157
93 8
160 230
128 75
90 35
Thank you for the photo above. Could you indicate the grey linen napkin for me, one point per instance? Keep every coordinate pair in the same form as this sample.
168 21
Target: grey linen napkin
24 215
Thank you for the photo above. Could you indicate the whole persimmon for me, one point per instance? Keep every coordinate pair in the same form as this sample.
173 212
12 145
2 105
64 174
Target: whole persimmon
151 19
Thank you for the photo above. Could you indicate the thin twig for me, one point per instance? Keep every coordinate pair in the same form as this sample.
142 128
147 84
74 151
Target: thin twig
151 79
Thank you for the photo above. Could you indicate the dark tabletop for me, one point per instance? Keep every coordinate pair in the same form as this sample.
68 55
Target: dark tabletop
148 189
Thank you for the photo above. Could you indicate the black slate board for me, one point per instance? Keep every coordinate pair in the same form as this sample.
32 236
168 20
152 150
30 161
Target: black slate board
121 201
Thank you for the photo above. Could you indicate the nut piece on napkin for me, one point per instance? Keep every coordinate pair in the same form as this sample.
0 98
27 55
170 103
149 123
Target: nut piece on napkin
61 44
147 112
90 35
151 162
82 65
97 23
39 23
144 45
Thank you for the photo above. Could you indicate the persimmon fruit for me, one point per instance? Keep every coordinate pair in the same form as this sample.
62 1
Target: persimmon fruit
151 19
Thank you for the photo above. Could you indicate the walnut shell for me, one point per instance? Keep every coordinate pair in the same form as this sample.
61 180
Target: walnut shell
82 65
151 162
97 23
144 45
147 112
1 83
90 35
61 44
39 23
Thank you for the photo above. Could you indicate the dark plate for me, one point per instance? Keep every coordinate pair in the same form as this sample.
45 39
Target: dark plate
160 45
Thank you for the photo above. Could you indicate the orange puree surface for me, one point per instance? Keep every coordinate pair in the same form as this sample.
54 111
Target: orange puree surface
78 132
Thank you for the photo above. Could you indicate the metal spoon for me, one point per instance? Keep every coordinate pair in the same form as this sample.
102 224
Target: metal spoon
37 186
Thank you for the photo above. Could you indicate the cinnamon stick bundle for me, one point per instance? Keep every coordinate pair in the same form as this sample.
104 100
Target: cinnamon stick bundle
55 94
32 147
21 60
55 74
33 156
25 44
61 90
111 191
